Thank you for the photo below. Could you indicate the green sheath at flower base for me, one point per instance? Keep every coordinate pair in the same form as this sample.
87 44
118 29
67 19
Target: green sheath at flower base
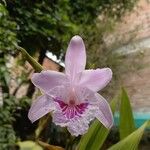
31 60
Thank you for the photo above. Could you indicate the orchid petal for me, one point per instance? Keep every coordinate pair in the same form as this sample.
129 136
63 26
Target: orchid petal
61 92
79 124
48 79
95 79
78 127
96 106
40 107
65 92
75 59
104 114
59 119
84 94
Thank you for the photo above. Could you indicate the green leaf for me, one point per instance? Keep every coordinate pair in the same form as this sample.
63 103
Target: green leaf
30 59
131 142
126 120
29 145
97 133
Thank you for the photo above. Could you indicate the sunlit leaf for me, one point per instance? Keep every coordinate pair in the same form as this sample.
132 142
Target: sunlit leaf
94 139
131 142
126 120
29 145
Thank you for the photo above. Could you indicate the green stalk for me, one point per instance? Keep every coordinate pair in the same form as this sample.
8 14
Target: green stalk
37 67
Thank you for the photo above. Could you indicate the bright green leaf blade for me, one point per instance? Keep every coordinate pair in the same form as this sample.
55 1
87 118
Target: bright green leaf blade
97 134
126 120
29 145
88 137
37 67
131 142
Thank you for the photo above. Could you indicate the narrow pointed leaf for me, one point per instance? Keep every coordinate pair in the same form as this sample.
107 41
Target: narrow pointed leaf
97 134
126 120
131 142
37 67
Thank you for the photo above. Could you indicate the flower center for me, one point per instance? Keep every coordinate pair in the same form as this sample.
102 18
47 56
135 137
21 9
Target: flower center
71 110
71 102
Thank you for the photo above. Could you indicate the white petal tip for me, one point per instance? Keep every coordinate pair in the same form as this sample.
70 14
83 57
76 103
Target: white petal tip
76 39
34 77
109 73
109 126
32 121
30 118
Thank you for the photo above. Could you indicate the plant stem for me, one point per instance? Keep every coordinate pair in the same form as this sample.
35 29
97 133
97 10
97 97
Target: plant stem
30 59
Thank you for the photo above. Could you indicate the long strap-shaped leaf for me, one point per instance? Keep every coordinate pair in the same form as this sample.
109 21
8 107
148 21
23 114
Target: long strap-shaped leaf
131 142
94 139
37 67
126 120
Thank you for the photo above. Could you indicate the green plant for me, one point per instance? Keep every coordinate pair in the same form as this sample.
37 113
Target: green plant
129 136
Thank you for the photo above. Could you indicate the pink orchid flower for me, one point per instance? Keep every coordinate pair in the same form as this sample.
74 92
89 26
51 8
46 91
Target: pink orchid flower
72 97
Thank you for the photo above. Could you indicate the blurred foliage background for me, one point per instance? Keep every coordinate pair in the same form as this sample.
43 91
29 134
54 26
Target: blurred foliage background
39 26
